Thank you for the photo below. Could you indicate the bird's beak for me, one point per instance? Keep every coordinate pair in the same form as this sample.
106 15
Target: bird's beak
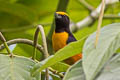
57 16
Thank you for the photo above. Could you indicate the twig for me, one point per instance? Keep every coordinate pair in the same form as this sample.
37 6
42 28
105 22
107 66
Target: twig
56 72
40 28
35 43
5 44
43 41
86 5
111 16
100 22
2 37
24 41
91 18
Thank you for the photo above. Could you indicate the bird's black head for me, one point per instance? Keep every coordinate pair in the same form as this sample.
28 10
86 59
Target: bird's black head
61 22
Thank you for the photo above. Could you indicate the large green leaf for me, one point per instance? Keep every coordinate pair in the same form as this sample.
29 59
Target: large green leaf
16 15
64 53
111 70
16 68
42 7
95 57
75 72
60 67
23 13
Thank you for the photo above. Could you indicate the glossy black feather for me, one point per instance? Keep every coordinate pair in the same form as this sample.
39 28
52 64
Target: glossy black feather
71 38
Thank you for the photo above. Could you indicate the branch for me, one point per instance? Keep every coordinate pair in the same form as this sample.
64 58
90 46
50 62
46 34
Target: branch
91 19
45 48
5 44
43 41
24 41
86 5
35 43
111 16
45 51
56 72
2 38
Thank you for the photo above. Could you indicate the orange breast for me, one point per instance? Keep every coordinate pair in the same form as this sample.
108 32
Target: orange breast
59 40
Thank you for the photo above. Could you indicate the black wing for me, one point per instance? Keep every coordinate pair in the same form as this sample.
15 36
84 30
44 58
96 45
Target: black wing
71 38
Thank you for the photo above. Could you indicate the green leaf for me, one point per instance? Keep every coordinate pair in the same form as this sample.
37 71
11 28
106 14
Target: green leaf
75 72
60 67
64 53
27 51
16 68
111 70
19 10
95 58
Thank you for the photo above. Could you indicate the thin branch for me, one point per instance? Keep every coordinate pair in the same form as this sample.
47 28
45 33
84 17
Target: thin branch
35 43
56 72
40 28
91 18
100 22
24 41
43 41
2 38
86 5
111 16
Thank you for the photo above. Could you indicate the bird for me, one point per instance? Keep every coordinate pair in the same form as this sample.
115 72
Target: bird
62 35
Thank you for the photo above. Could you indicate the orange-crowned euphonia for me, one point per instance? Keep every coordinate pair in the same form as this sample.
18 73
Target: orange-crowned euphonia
62 35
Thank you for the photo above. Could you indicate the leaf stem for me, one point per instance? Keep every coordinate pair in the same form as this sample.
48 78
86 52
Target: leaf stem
2 38
45 48
56 72
35 43
45 51
7 48
100 22
22 41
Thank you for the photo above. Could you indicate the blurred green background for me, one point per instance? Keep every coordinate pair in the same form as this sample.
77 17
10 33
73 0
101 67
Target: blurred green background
18 19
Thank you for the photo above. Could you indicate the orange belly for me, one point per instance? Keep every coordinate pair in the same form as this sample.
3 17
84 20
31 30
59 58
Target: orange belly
73 59
59 41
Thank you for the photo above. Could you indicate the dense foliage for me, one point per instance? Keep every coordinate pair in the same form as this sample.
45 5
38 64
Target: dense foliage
19 19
